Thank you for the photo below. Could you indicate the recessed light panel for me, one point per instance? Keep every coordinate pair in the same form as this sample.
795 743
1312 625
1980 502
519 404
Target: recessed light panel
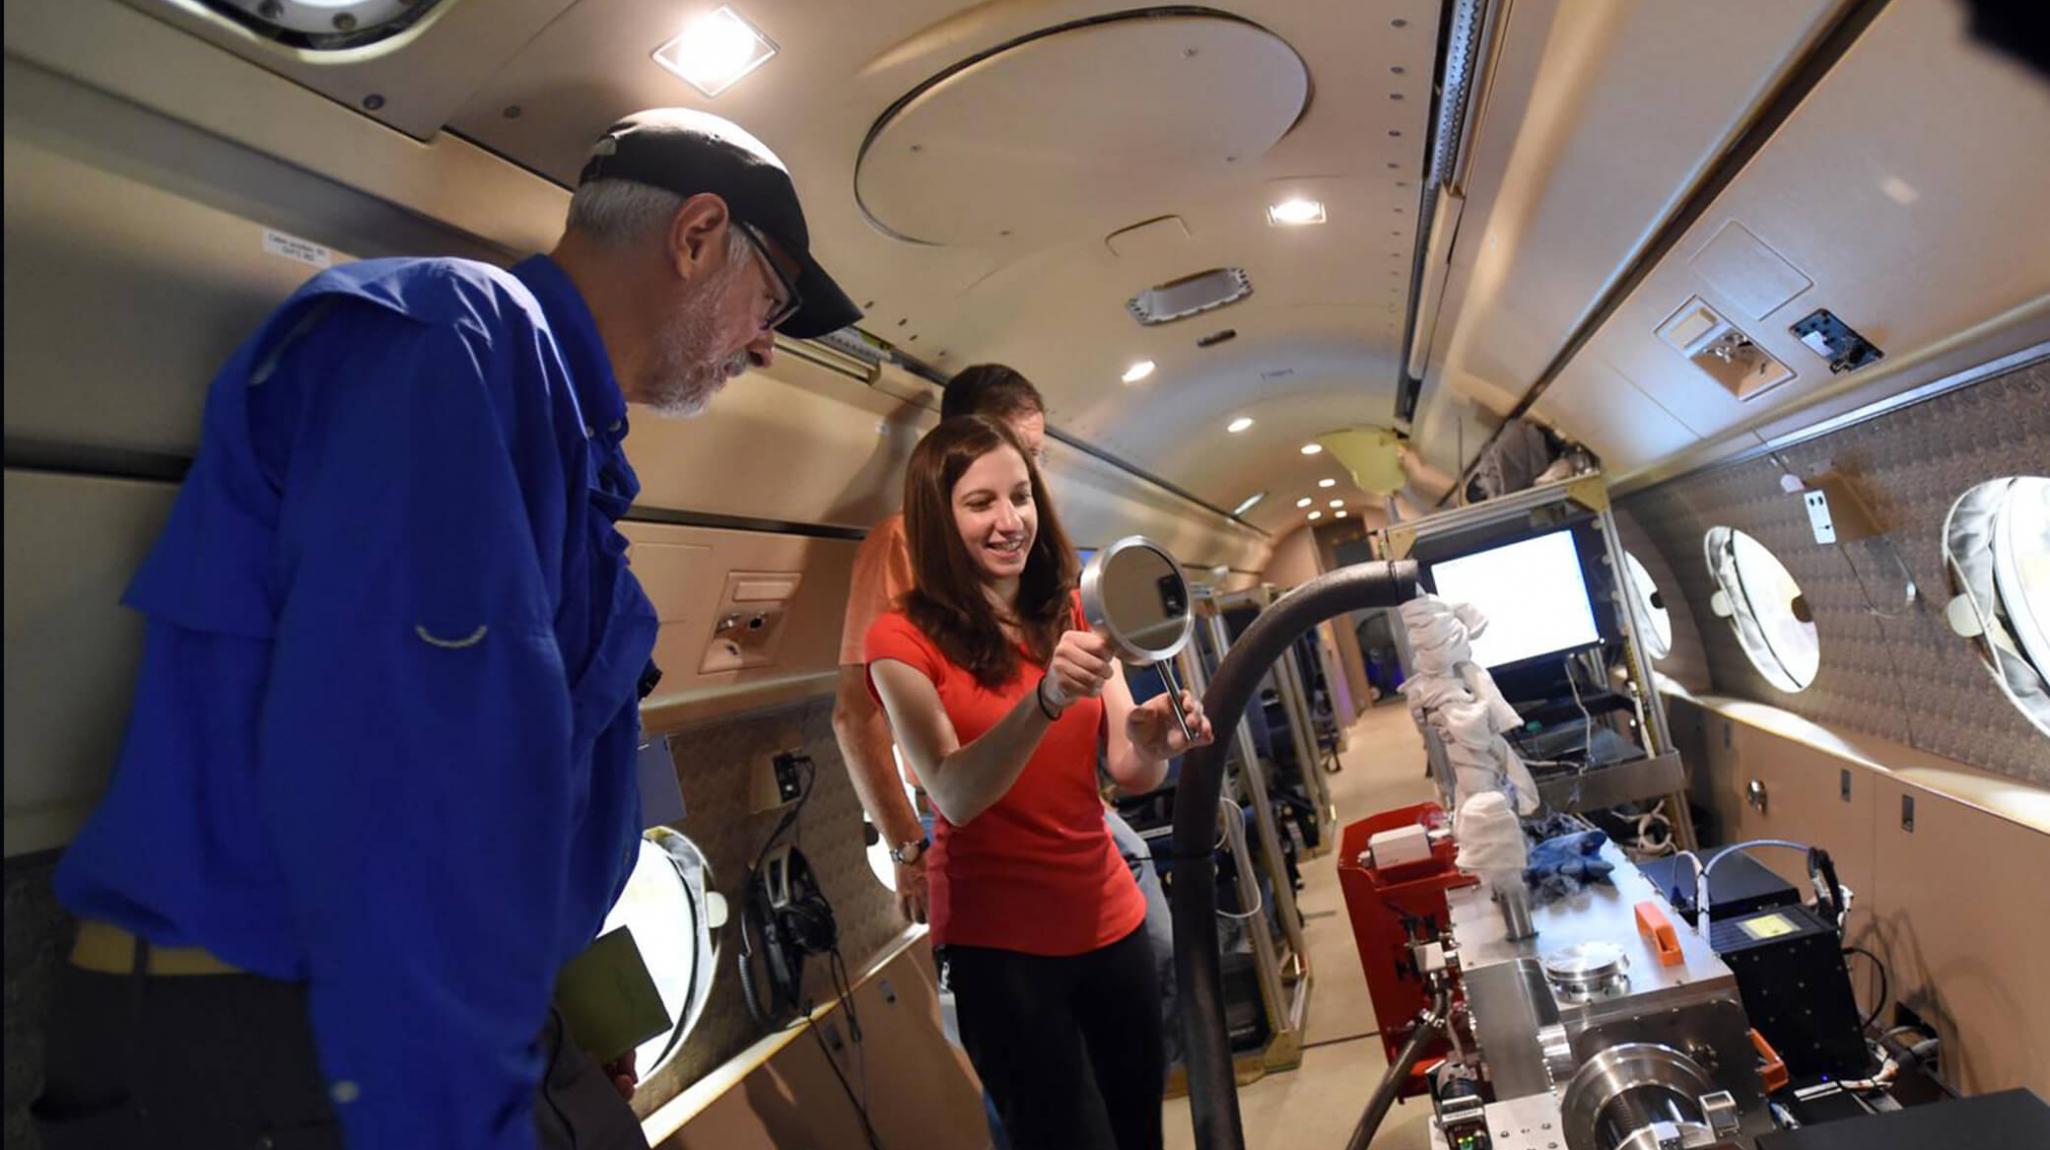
1314 515
1239 424
1305 501
1138 371
1252 501
1327 483
715 51
1313 449
1295 213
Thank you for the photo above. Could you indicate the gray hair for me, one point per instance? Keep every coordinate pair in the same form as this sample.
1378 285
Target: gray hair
622 213
617 213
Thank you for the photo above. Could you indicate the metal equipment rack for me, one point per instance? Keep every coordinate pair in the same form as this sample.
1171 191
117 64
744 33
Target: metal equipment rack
1280 955
1659 774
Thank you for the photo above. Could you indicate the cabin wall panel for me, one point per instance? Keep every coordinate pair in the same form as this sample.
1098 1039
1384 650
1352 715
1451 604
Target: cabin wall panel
1949 906
1959 920
71 648
1889 668
920 1091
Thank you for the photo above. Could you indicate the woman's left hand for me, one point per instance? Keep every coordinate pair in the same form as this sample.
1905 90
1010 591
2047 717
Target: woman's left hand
1154 733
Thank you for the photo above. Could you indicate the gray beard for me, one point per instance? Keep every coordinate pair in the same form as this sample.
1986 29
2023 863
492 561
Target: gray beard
683 378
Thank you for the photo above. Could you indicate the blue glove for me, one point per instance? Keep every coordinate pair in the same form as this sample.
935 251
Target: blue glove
1560 866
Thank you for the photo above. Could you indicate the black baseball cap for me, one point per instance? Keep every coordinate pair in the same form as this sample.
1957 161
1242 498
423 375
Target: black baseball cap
689 152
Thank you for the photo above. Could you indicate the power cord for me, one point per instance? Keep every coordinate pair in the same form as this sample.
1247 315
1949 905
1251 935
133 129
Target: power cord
1885 986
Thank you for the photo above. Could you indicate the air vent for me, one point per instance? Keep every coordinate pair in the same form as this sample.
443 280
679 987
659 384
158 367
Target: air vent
1190 295
1217 337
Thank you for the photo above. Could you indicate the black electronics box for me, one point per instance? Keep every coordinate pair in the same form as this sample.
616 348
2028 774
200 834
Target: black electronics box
2009 1120
1790 970
1739 885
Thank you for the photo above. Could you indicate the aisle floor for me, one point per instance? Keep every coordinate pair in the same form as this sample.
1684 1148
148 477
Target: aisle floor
1316 1106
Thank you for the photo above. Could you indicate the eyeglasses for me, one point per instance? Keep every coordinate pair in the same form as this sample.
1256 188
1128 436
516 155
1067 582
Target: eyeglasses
789 302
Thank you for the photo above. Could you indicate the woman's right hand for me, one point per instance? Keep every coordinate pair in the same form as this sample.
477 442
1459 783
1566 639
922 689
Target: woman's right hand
1081 665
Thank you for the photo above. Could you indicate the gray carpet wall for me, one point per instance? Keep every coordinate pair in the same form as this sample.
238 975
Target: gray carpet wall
1889 668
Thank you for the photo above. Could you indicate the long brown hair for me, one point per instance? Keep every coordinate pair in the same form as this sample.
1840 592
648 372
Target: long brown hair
947 600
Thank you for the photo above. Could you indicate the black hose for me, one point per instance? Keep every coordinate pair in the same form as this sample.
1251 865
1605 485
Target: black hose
1398 1072
1213 1088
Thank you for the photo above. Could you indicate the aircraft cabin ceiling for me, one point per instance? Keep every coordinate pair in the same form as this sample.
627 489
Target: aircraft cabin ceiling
995 181
1008 209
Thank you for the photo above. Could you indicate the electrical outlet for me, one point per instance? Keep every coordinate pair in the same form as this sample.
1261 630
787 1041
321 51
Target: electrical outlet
1818 517
778 780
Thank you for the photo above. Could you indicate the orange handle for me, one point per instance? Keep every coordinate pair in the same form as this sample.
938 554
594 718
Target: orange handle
1653 924
1772 1073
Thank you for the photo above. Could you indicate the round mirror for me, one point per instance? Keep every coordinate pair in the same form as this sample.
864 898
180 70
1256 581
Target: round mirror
1135 595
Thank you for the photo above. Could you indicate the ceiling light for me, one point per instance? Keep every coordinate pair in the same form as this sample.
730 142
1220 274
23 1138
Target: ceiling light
715 51
1305 501
1138 371
1327 483
1338 515
1338 503
1314 515
1313 449
1251 501
1239 424
1295 213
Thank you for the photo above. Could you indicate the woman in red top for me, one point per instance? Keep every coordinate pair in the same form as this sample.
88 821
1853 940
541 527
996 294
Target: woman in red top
999 697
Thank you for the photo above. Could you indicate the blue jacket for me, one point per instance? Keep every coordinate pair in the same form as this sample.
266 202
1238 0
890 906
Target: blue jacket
383 733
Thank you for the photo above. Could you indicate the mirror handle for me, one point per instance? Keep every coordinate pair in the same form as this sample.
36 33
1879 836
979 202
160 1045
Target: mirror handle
1174 699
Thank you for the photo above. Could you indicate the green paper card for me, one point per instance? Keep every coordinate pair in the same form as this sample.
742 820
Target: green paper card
608 998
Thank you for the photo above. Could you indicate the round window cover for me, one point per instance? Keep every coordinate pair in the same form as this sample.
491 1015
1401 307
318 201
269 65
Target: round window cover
325 24
1996 546
670 907
1651 607
1766 608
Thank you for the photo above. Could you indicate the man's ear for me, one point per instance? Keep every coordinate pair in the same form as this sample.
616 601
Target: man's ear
697 235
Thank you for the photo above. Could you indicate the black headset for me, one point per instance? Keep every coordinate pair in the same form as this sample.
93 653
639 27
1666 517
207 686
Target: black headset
786 920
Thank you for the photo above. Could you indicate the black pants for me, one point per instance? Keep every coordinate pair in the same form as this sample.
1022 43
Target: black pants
227 1062
1070 1048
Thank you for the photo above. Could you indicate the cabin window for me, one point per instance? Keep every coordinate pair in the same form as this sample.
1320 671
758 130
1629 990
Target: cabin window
672 911
1996 548
1656 633
1765 607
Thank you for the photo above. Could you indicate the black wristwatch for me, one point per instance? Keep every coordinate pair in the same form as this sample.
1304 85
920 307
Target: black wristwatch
910 853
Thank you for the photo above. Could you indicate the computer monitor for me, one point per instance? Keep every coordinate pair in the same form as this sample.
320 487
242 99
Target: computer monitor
1532 592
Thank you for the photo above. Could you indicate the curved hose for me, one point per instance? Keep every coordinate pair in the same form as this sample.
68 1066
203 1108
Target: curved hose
1391 1083
1213 1088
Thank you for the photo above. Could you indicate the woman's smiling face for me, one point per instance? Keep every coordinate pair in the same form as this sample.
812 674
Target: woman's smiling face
994 511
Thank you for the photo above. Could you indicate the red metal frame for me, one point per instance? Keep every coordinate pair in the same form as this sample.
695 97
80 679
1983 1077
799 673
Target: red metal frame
1379 900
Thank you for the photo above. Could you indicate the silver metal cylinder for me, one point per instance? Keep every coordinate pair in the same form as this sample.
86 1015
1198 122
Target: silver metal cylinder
1515 903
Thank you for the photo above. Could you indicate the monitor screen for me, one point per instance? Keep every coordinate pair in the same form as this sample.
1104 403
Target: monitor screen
1532 592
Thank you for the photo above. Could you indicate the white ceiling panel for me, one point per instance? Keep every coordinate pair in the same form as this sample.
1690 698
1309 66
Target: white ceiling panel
1912 187
1626 427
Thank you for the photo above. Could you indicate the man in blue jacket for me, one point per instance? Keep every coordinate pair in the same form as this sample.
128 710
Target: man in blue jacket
378 783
